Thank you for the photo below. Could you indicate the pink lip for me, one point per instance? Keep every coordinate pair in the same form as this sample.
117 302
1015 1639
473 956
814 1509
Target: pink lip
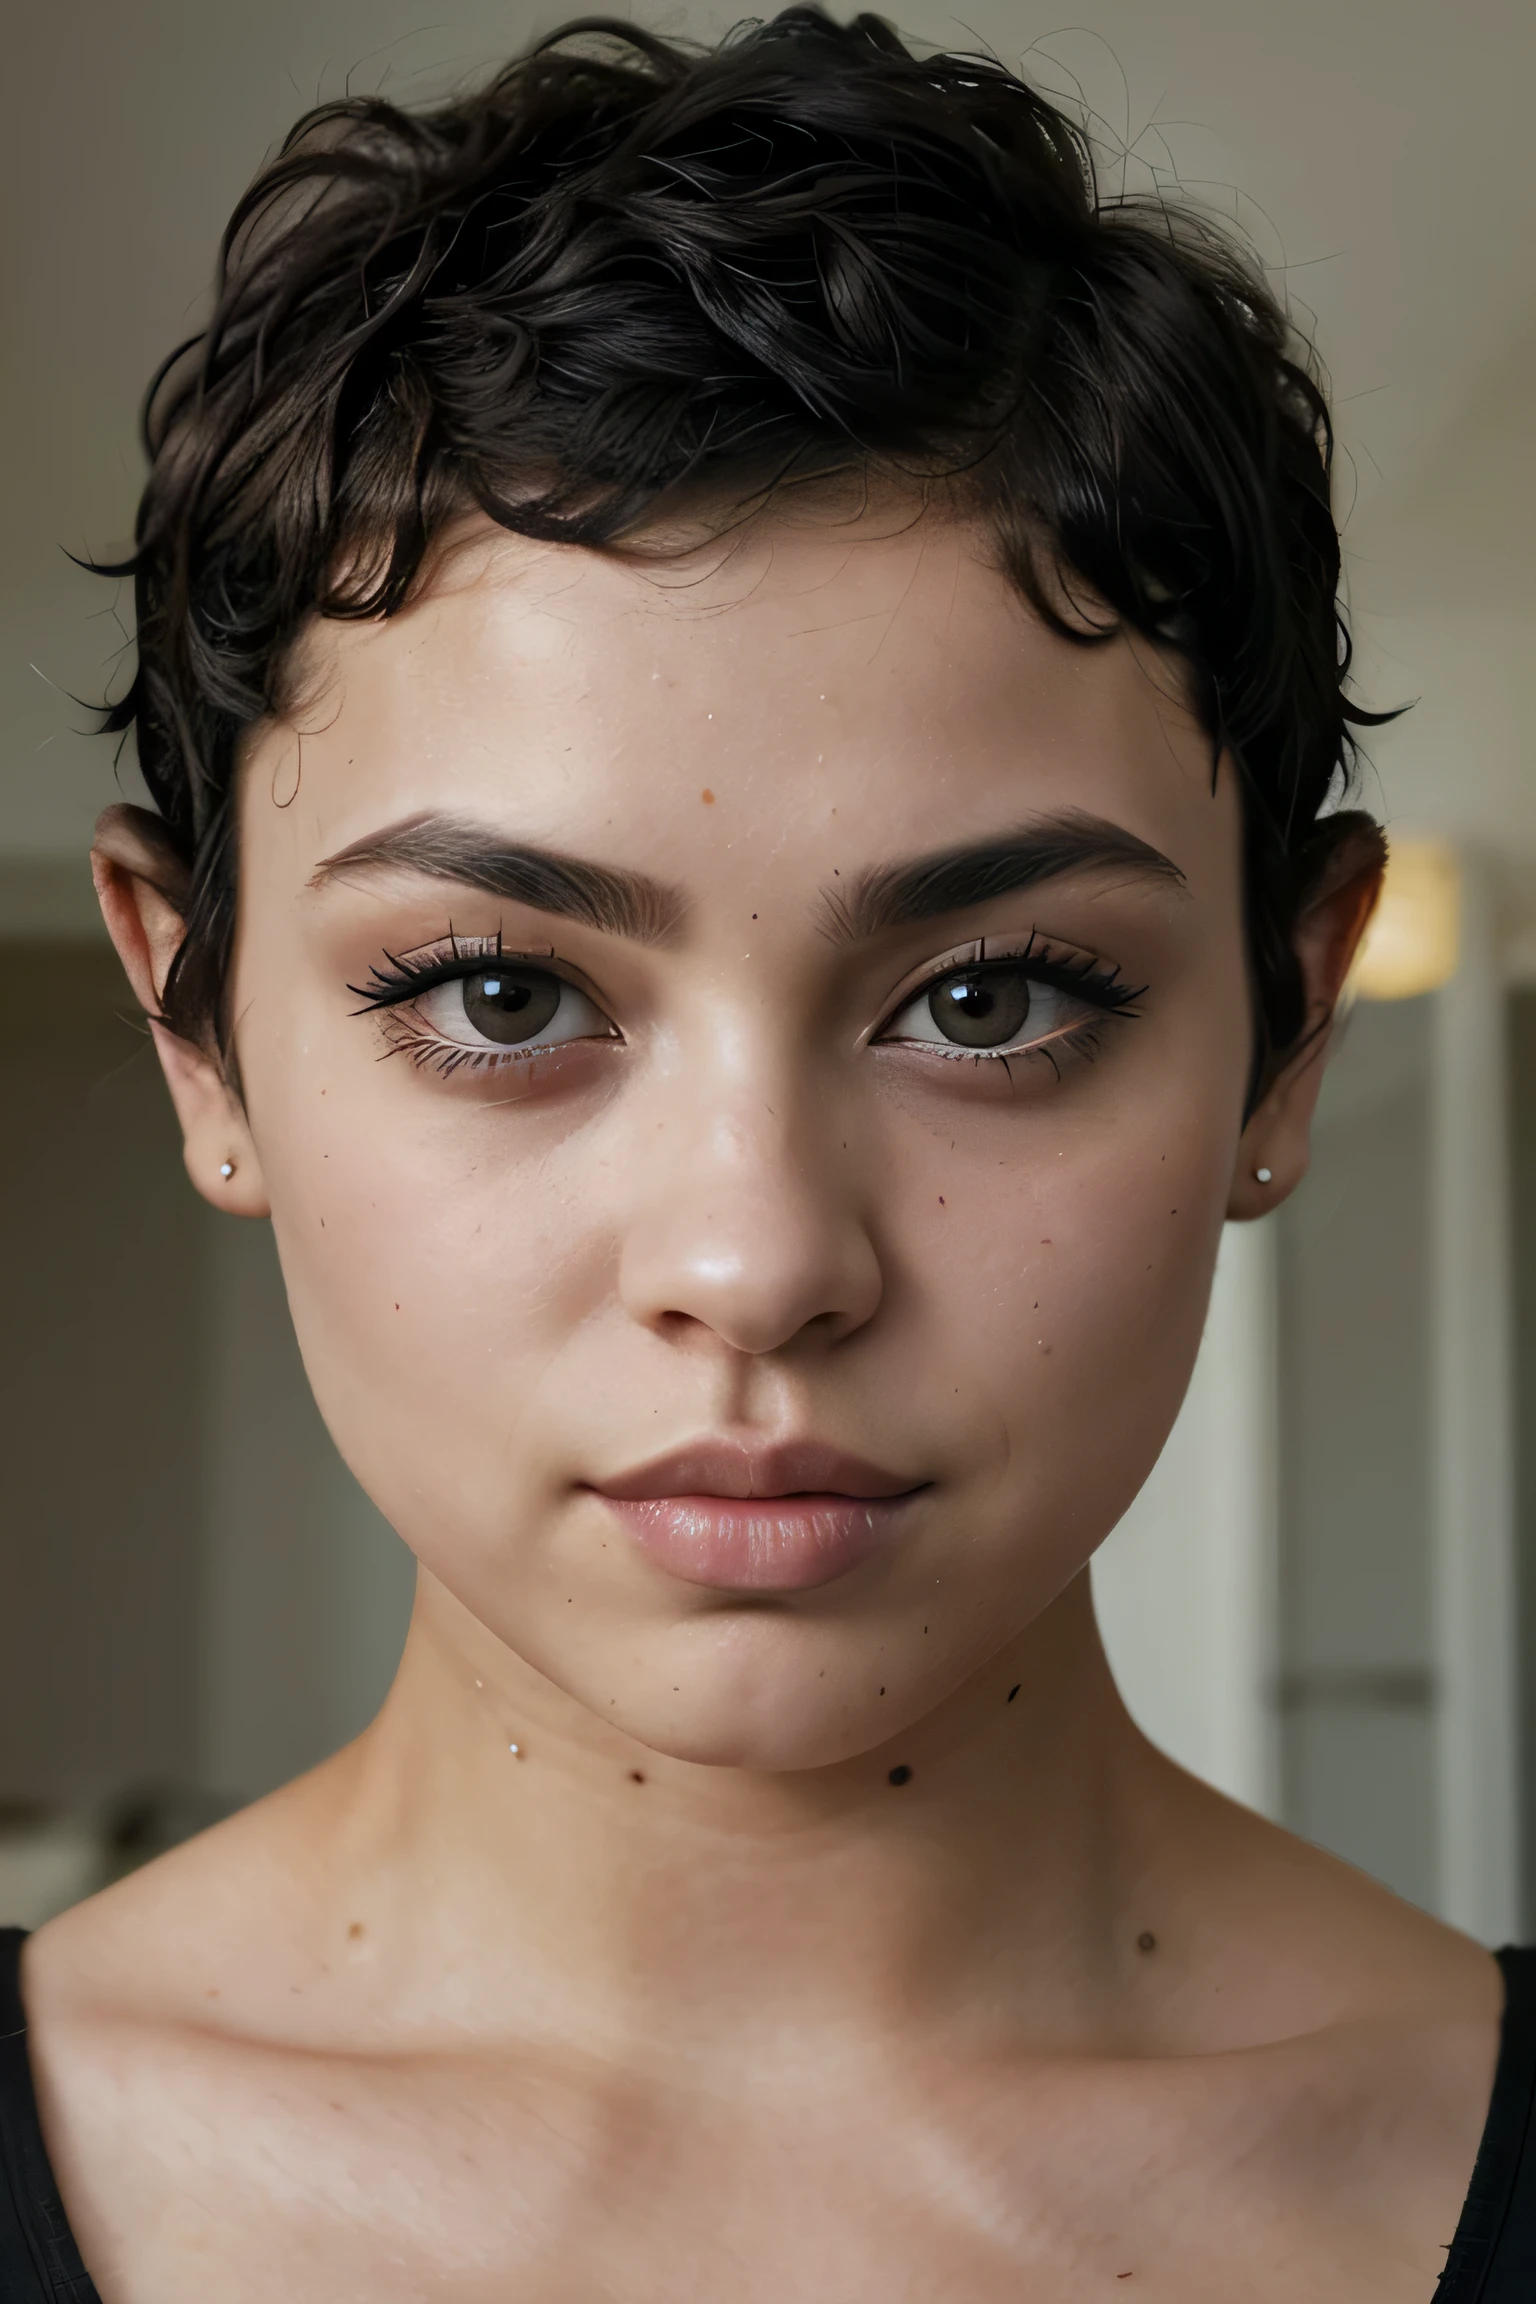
777 1518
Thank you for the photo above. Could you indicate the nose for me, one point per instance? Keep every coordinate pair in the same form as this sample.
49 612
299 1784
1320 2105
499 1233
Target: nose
747 1225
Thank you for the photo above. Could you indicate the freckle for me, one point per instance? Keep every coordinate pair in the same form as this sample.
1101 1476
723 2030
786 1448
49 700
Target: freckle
900 1775
707 797
1013 1691
322 1223
637 1775
356 1930
1146 1941
925 1631
882 1691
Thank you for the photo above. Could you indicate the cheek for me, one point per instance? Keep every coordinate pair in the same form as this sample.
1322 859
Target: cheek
437 1287
1063 1289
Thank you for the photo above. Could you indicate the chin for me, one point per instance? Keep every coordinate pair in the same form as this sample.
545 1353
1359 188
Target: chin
758 1690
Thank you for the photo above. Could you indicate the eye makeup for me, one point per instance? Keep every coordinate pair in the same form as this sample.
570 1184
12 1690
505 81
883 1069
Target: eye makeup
467 1003
476 1007
993 1003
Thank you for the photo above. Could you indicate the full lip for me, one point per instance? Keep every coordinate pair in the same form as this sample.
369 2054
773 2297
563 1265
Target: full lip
757 1470
744 1516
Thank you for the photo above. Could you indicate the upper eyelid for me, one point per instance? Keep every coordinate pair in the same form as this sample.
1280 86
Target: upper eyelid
1069 967
441 962
453 947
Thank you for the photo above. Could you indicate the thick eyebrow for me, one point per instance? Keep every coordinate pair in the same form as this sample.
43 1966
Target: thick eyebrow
955 879
449 848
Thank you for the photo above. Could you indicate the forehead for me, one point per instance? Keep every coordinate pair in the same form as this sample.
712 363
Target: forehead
878 678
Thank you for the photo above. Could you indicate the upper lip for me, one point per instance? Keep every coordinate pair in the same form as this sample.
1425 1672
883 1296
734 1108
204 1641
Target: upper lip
747 1468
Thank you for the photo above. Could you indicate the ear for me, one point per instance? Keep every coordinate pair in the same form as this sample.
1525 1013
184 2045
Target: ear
1333 919
142 886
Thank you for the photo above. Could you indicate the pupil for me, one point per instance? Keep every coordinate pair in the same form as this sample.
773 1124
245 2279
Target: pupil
511 1004
981 1010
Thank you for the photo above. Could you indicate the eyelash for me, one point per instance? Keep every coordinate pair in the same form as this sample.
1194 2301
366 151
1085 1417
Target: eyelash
408 978
391 988
400 980
1063 969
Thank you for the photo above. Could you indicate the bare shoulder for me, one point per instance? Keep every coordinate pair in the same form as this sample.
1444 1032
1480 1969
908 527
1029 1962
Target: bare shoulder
223 1927
1379 2024
1304 1941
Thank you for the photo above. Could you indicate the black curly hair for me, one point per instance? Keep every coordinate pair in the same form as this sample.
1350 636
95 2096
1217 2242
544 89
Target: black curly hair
628 273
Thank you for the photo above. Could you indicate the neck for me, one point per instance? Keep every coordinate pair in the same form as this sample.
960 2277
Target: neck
627 1895
624 1894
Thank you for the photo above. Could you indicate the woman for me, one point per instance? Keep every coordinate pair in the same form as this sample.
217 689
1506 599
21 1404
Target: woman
766 673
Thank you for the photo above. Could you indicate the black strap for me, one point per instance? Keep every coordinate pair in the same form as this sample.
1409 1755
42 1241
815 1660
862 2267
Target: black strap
1493 2256
39 2262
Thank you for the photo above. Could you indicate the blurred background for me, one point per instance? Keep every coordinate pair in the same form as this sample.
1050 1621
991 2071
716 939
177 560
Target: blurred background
1326 1598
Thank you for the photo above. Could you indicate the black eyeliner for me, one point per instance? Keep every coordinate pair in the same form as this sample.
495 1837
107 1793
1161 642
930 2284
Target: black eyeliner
403 979
1083 977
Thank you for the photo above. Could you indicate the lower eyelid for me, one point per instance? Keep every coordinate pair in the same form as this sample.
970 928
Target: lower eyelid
952 1051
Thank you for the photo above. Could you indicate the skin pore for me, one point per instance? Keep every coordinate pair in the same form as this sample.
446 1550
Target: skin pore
693 1922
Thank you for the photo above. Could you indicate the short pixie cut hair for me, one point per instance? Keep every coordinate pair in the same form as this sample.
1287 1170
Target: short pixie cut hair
629 274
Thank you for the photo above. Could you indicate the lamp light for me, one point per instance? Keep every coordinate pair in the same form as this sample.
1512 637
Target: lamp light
1412 943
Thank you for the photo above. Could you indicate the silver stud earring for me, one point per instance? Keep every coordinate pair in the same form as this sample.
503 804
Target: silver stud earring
1263 1175
227 1170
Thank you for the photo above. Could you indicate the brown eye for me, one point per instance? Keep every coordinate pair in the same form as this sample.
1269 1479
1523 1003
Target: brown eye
511 1004
985 1008
993 1009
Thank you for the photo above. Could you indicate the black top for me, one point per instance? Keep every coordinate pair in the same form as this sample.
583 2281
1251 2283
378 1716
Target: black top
39 2262
1492 2259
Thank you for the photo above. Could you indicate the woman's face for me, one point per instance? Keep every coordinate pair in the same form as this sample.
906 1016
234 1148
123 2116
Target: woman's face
772 1024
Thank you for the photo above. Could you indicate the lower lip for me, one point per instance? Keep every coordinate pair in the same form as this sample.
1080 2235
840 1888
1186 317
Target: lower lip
760 1543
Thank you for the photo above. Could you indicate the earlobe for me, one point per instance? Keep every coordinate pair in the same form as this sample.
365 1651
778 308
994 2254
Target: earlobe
141 885
220 1157
1261 1184
1274 1150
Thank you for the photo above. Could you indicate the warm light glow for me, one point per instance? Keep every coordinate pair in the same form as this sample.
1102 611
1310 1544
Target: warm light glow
1411 944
